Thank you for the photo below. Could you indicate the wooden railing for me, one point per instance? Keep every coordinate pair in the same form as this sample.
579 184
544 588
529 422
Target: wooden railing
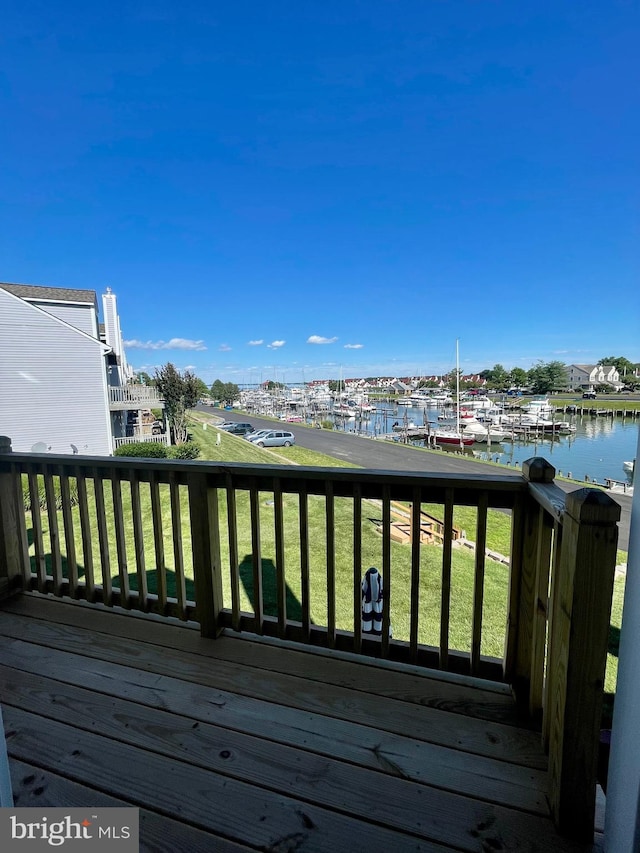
134 396
281 551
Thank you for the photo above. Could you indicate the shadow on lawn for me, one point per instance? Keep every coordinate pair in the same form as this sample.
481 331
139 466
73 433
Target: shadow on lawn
269 589
269 585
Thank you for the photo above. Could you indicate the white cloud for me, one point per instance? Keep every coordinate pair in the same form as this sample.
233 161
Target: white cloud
224 348
174 343
255 343
276 344
318 339
353 346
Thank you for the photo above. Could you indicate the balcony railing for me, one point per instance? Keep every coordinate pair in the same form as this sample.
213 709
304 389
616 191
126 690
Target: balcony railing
162 438
262 549
134 396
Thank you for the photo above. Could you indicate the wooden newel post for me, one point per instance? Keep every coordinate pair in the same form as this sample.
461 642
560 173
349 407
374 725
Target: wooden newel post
580 630
531 557
10 554
205 540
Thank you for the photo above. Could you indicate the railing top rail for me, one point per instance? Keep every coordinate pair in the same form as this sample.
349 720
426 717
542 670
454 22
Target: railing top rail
501 488
551 498
539 474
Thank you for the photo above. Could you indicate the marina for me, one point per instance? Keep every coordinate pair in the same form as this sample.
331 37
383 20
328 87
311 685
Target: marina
583 443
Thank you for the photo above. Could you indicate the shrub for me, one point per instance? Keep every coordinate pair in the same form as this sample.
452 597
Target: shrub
143 449
188 450
326 424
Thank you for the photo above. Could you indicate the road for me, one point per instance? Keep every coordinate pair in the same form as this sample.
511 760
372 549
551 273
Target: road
387 456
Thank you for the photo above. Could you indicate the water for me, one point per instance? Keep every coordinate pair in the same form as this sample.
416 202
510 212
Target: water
596 450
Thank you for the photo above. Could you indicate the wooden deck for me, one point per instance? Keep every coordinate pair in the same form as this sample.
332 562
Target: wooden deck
241 744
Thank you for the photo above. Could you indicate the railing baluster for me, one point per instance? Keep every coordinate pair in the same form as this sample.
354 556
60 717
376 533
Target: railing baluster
303 511
103 537
357 568
69 533
331 565
54 533
178 558
478 583
445 595
38 539
234 557
281 588
158 544
121 547
386 570
256 559
85 531
540 613
414 612
518 521
21 527
138 541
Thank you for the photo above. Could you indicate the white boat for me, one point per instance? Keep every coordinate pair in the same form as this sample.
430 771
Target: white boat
404 401
538 407
475 402
344 410
629 468
483 433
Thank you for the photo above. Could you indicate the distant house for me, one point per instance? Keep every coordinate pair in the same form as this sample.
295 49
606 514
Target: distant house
587 375
64 377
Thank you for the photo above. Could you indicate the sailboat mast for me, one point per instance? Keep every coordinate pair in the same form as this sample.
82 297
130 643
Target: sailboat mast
457 386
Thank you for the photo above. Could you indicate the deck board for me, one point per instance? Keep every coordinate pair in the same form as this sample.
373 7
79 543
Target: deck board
37 788
219 744
482 737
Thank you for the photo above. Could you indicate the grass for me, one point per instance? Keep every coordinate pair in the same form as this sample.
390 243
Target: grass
618 404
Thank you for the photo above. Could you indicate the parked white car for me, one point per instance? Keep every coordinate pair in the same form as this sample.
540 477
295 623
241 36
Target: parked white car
275 438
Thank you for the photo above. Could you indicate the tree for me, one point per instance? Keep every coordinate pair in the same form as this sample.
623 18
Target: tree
179 392
217 390
202 388
621 364
545 377
226 392
231 392
143 378
518 377
497 377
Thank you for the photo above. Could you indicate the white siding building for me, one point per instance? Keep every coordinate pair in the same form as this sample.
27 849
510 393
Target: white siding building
62 389
588 375
53 384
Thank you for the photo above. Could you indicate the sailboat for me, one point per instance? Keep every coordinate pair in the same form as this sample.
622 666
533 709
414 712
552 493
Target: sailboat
450 436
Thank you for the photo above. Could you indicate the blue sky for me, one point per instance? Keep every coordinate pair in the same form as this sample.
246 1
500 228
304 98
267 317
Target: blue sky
303 189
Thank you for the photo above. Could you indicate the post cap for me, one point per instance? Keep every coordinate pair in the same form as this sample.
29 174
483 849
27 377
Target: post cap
592 506
538 470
